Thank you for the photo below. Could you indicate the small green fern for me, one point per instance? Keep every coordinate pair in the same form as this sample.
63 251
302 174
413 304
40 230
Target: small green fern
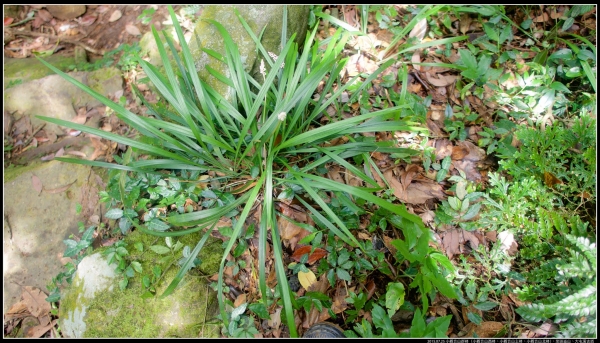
576 306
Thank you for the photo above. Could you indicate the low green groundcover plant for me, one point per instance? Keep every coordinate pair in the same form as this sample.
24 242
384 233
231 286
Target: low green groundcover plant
266 138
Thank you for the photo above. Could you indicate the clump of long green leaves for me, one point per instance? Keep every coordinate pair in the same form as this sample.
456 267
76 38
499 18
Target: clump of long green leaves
269 122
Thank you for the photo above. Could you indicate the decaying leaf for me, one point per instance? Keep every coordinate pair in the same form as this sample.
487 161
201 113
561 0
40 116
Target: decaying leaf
116 15
440 80
35 300
420 192
17 311
339 300
453 241
541 18
417 192
39 330
419 30
291 233
467 151
465 23
334 174
485 330
275 320
312 258
37 184
241 299
133 30
81 116
306 278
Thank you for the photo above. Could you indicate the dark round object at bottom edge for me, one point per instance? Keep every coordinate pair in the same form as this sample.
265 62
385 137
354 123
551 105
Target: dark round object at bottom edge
324 330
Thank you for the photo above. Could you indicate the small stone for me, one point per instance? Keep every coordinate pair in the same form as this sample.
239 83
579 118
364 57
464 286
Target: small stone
66 12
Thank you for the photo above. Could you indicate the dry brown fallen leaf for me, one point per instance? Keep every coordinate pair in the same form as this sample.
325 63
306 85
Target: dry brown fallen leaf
116 15
546 329
17 311
469 168
419 192
39 330
239 300
467 151
419 30
35 300
133 30
334 174
37 184
440 80
453 241
443 148
465 23
275 320
485 330
312 258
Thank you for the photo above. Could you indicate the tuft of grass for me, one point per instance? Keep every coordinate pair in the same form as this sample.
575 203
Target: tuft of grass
268 137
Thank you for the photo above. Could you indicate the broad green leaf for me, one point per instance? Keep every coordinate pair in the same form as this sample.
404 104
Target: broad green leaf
260 309
123 284
485 306
158 225
72 248
88 235
475 318
454 203
343 274
114 213
472 212
136 266
471 289
394 297
160 249
382 320
467 58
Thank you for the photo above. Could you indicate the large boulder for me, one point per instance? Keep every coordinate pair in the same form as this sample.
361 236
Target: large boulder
257 17
95 306
35 225
53 96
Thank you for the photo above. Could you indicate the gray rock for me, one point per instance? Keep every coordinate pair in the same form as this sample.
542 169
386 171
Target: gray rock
66 12
95 306
55 97
257 16
36 225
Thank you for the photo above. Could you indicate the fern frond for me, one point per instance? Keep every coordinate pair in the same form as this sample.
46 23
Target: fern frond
579 267
586 247
577 329
582 303
535 312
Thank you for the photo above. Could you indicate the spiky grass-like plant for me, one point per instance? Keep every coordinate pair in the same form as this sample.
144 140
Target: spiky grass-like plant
267 135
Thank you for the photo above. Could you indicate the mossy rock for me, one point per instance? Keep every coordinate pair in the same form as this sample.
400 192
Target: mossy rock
22 70
95 306
257 17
